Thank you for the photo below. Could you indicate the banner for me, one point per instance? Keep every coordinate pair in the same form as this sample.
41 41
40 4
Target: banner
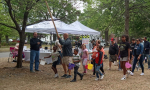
84 36
86 42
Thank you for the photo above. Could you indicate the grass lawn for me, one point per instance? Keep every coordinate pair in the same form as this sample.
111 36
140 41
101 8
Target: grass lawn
21 79
6 48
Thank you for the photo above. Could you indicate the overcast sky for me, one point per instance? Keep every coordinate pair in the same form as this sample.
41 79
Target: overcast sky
78 5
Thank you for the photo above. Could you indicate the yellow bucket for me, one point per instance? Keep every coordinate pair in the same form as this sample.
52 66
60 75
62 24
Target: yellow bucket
90 66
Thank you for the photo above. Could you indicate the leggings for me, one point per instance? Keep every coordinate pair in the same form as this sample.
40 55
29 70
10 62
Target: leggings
140 61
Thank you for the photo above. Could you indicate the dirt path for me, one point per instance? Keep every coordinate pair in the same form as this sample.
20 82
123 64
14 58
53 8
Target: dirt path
21 79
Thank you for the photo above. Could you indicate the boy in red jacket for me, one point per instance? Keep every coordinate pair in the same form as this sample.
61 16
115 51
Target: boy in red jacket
98 62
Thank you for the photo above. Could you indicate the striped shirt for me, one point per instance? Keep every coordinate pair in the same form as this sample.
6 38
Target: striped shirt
76 58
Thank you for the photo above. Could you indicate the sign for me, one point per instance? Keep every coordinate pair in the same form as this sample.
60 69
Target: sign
86 42
84 36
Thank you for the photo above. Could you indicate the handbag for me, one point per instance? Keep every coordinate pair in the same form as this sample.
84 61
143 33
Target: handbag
43 61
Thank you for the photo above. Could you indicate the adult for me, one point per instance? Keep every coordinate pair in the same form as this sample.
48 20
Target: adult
67 54
124 53
146 51
131 51
138 54
76 43
16 52
142 42
17 47
113 52
35 45
59 49
132 48
90 45
79 43
93 58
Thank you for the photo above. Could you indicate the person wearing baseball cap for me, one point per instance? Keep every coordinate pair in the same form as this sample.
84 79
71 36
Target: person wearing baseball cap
113 52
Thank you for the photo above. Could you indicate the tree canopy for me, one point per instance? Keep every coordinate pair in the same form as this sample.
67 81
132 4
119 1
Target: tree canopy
110 15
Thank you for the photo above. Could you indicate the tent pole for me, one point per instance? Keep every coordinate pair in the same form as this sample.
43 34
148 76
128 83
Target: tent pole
51 17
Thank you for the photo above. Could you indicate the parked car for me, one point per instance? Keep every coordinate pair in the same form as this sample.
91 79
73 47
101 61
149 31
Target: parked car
103 43
10 40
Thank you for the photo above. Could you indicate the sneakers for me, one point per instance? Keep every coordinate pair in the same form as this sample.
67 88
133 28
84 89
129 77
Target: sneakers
102 77
56 76
81 77
124 78
96 79
68 76
137 68
32 71
65 75
128 72
73 80
84 72
37 70
119 70
142 74
131 74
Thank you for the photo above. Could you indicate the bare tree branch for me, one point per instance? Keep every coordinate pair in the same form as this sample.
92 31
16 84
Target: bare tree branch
11 15
7 25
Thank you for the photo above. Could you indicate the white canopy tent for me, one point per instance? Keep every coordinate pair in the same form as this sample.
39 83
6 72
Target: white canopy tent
84 28
47 27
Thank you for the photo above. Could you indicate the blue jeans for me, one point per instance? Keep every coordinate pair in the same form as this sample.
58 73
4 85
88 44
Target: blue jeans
140 61
97 70
119 65
34 55
147 59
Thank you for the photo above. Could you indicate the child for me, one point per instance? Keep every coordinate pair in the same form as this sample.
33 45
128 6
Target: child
98 62
54 56
76 60
85 57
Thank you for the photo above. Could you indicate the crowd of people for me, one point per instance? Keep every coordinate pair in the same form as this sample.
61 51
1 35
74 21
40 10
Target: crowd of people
133 53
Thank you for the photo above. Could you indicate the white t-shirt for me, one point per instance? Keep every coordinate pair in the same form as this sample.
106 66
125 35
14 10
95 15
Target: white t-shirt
57 44
54 56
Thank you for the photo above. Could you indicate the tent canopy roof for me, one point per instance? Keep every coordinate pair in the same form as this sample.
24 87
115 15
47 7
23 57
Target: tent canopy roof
47 27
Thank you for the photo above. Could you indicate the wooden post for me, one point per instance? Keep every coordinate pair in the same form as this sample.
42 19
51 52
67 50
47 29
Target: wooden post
51 17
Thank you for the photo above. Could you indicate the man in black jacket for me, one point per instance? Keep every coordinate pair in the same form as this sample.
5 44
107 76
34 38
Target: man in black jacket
113 52
35 45
146 51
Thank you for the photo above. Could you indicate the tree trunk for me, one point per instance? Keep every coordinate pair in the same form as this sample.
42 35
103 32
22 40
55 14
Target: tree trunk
0 40
6 36
21 44
106 36
127 17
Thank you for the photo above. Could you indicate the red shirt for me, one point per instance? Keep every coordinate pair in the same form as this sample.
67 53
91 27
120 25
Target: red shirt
99 56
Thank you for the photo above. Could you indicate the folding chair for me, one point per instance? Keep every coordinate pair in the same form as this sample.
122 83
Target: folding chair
12 54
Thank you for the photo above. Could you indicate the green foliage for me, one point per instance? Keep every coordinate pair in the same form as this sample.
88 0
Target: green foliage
109 14
8 44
